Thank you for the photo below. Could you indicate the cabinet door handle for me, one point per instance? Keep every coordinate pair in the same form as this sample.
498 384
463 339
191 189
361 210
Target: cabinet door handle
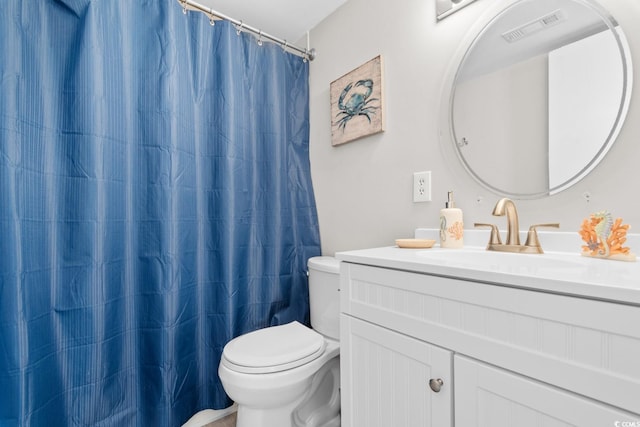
436 384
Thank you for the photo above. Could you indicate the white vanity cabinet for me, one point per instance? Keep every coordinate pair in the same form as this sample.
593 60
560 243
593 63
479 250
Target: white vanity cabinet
506 356
388 375
493 397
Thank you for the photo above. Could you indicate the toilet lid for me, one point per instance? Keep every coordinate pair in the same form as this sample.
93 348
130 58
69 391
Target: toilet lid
273 349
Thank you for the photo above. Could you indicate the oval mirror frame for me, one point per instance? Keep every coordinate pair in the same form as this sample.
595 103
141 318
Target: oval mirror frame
460 141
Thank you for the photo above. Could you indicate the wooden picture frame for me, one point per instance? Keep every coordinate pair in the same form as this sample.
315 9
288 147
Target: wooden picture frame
357 103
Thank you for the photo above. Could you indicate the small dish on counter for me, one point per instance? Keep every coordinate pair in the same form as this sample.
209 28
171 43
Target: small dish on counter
415 243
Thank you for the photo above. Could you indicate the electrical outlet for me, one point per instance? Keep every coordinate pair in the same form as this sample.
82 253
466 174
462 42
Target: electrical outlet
422 186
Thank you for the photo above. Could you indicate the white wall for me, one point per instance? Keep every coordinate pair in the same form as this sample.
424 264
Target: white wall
572 68
364 188
514 122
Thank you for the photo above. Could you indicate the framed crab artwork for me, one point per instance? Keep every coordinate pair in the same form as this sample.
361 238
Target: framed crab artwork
356 103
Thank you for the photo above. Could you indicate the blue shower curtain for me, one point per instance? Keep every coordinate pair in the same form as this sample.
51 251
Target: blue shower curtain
155 202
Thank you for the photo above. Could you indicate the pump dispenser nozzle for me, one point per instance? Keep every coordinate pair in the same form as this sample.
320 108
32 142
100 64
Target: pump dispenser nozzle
450 203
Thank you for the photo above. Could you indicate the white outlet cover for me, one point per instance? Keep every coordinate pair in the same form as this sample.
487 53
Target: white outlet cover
422 186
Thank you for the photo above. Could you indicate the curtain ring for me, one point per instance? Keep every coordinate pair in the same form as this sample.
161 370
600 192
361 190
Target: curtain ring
260 38
212 21
239 28
284 45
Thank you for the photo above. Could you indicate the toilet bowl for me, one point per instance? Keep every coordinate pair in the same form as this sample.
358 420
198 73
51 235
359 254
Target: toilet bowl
289 375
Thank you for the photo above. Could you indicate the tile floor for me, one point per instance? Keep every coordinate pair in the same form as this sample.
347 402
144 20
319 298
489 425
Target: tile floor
228 421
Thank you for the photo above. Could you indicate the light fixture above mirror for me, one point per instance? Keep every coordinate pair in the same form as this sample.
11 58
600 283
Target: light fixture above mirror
445 8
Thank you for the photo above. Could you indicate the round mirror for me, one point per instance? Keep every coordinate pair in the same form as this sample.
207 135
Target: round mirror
540 96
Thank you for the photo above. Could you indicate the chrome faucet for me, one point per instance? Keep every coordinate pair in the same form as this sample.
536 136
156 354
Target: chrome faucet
532 245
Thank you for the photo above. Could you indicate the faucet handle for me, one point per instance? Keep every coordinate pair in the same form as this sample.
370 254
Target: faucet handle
532 235
494 239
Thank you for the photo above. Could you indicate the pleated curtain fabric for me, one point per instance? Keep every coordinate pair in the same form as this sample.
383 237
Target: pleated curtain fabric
155 202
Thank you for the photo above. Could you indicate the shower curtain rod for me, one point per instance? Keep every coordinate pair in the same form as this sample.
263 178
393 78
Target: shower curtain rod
307 54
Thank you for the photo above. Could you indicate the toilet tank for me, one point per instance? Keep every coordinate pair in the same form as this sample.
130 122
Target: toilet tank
324 295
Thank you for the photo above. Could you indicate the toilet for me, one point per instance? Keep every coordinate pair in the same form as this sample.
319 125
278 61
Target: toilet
289 375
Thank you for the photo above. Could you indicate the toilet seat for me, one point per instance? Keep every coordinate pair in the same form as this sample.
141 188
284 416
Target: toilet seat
273 349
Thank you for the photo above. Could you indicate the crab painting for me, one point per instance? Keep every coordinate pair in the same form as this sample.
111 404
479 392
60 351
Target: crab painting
357 104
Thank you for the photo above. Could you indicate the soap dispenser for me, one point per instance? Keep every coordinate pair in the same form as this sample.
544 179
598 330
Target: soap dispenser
451 225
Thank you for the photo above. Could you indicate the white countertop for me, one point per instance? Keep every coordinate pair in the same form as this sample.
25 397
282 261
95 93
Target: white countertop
557 272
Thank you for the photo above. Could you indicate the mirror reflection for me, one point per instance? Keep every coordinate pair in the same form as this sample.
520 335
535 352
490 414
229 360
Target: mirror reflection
540 96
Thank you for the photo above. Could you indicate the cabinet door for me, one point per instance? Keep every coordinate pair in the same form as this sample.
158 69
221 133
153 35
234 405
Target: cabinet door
386 379
492 397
